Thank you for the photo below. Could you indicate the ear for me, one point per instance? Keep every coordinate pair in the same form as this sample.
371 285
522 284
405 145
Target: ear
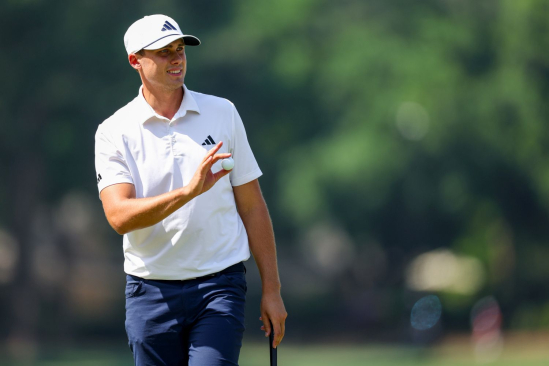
134 61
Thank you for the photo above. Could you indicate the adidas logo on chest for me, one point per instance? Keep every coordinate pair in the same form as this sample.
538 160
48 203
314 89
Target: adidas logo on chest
209 141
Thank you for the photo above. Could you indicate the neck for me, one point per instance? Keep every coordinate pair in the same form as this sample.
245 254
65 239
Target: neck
164 102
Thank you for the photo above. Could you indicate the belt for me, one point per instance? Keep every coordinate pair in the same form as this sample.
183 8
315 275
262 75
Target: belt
238 267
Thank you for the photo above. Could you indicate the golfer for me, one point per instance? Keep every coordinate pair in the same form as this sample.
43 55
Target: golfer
188 224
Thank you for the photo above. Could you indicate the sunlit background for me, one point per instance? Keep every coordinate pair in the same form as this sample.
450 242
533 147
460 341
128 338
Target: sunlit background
405 154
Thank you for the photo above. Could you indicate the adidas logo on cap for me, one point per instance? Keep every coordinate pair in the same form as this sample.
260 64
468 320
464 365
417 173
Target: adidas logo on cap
168 26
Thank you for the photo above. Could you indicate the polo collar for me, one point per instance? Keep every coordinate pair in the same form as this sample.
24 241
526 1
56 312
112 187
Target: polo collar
146 112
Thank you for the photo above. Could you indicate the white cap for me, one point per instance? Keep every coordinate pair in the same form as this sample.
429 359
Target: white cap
153 32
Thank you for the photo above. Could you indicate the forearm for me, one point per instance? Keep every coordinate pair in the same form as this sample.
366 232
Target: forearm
262 245
137 213
126 213
255 216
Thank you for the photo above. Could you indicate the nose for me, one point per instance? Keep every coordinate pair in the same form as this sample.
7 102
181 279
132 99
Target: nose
179 58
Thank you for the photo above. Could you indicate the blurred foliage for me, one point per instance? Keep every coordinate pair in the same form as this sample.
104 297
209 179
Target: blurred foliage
396 127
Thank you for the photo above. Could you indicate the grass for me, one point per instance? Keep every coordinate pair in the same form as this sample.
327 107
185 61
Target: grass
456 352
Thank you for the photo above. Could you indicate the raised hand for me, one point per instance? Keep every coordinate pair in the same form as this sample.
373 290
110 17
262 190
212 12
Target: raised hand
204 179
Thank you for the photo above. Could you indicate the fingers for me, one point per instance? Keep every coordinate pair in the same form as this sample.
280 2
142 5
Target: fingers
207 161
277 334
282 331
279 330
211 160
211 157
205 167
217 157
213 150
266 325
204 179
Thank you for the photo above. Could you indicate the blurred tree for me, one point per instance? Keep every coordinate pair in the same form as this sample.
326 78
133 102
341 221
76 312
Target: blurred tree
390 128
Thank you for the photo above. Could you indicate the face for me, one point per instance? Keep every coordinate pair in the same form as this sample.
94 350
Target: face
163 68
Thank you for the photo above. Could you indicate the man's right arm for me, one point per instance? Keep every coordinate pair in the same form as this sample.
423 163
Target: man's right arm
127 213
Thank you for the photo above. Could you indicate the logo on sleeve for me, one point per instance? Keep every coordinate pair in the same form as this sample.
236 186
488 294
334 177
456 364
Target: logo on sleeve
99 178
209 141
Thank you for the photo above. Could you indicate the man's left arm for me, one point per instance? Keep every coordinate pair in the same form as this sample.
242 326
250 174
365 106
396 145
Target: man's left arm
255 216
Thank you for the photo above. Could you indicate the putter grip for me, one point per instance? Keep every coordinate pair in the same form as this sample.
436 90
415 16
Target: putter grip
272 351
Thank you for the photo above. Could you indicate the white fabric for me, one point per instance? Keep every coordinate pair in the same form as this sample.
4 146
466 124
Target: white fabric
156 155
153 32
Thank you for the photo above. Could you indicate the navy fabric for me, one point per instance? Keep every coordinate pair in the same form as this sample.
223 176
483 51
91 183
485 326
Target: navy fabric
193 322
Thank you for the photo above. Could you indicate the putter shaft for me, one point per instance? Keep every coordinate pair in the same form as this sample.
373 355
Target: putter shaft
272 350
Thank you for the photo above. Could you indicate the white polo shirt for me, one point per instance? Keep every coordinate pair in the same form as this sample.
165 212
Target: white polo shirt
138 146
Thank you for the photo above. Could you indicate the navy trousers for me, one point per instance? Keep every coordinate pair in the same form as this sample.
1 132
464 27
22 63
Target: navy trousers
197 322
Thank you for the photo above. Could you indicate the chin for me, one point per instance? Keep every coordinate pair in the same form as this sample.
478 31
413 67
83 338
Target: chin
174 85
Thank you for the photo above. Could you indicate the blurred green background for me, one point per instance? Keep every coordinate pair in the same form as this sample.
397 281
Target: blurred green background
406 168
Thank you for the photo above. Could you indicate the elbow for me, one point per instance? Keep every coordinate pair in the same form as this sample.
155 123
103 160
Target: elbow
117 211
120 230
119 225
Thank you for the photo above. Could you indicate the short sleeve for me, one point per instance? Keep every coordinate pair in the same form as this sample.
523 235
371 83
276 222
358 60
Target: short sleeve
245 168
110 165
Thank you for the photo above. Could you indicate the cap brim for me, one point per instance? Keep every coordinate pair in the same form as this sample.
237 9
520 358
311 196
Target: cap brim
191 41
166 40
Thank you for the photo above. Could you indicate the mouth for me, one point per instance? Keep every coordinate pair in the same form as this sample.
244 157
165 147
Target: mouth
175 72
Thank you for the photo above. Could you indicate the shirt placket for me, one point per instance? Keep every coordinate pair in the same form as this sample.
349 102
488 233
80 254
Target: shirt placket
173 139
176 149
